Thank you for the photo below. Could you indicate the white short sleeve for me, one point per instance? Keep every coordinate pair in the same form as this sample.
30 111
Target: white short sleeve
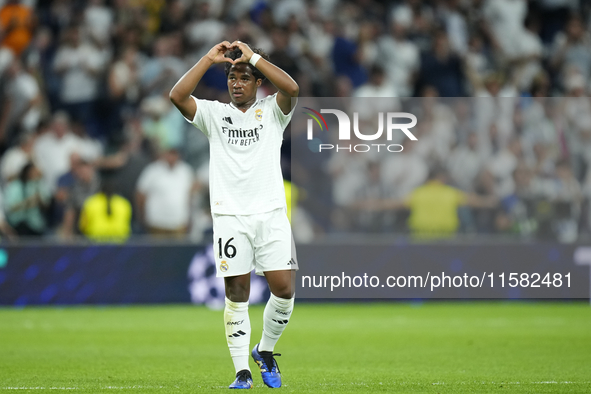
201 120
282 119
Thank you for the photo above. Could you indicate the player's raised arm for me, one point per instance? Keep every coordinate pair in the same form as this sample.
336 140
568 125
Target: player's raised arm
180 95
287 87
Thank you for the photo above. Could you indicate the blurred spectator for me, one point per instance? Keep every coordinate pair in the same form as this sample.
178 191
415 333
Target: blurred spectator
204 30
419 17
555 14
38 60
343 87
368 49
377 95
346 60
528 56
85 183
576 101
106 216
501 166
518 207
494 112
98 19
281 55
26 198
402 173
6 58
173 17
455 26
438 128
298 43
347 171
434 206
542 129
17 157
543 162
163 195
442 69
372 189
62 192
465 163
285 9
124 89
16 26
505 18
377 85
322 34
162 69
399 56
53 148
571 52
162 123
21 111
131 154
567 197
464 118
478 58
5 228
80 65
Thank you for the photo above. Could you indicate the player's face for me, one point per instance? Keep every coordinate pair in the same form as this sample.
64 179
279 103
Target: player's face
242 85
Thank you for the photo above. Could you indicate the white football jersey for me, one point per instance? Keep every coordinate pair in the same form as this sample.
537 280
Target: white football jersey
244 166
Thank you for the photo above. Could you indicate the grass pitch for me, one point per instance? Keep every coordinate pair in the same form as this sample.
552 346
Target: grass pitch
365 347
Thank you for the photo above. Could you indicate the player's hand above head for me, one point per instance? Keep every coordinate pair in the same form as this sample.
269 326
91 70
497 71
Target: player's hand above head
246 52
216 54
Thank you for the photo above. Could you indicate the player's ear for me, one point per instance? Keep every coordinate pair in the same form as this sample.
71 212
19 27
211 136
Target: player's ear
259 82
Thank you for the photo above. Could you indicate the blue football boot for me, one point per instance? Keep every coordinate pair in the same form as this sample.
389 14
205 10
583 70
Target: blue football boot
268 366
243 380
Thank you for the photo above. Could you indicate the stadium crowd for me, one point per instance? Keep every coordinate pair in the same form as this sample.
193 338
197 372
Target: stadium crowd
90 143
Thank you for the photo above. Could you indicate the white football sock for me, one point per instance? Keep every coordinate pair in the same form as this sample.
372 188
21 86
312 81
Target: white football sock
237 325
275 318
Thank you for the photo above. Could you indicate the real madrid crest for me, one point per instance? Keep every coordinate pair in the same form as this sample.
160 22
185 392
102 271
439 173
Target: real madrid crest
223 266
258 114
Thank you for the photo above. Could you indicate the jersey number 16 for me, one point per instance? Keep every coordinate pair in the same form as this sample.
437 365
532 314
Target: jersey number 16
229 249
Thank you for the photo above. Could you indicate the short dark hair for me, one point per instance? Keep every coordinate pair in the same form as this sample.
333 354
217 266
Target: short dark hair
236 53
438 171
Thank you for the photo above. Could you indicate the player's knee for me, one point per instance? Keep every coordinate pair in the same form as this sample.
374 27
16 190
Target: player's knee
237 293
237 296
285 292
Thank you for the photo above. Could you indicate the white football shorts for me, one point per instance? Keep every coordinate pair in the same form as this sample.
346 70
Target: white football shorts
262 242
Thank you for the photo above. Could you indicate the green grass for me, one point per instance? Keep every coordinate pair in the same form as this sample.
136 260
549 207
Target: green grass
381 347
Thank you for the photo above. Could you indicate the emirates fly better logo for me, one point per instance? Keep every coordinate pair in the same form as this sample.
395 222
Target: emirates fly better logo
345 130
